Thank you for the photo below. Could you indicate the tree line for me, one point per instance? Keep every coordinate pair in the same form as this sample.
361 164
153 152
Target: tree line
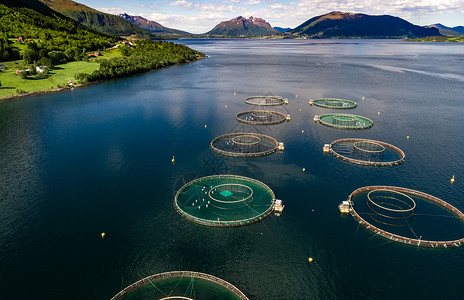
143 57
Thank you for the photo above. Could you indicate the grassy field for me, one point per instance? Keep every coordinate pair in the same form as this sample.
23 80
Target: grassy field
56 78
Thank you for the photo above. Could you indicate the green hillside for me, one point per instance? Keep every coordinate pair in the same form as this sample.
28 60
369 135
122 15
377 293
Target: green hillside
29 27
92 18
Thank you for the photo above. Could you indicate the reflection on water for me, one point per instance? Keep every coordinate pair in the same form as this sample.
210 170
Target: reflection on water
98 159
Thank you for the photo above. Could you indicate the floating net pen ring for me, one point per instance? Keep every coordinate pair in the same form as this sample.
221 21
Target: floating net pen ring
241 144
261 117
165 286
334 103
246 140
223 187
393 162
411 205
402 239
345 120
265 100
262 114
372 145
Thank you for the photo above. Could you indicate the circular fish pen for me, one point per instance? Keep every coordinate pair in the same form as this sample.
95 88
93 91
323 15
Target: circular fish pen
334 103
367 152
224 200
244 144
181 285
345 121
261 117
265 100
396 208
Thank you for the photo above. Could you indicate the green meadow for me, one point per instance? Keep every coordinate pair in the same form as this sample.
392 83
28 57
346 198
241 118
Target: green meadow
12 84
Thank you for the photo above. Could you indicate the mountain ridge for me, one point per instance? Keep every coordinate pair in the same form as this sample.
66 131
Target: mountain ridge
152 26
241 26
338 24
97 20
445 30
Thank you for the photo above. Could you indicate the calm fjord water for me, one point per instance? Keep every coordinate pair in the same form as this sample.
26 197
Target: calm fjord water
98 159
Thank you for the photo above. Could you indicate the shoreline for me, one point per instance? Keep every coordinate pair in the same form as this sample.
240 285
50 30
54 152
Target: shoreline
80 85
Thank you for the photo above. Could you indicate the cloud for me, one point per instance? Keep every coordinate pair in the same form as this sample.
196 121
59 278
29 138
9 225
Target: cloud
111 10
181 3
251 2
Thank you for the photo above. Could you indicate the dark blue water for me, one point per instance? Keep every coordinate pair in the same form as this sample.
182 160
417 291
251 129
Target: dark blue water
98 159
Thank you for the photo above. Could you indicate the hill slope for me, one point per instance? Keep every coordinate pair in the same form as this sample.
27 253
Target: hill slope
47 30
152 26
452 31
241 26
92 18
348 25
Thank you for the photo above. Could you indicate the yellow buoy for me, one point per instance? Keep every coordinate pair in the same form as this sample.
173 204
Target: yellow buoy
378 113
103 235
452 179
226 106
310 259
300 109
304 169
235 93
407 137
206 125
173 160
362 98
302 131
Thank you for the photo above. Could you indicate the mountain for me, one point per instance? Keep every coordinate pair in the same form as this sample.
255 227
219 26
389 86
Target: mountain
348 25
280 29
452 31
241 26
152 26
92 18
29 21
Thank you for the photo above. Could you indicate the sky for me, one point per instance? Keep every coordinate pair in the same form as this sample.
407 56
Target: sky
200 16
